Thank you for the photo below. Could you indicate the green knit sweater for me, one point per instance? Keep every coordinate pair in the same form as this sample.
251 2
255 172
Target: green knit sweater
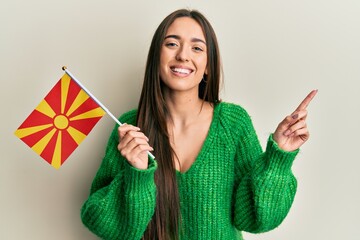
232 186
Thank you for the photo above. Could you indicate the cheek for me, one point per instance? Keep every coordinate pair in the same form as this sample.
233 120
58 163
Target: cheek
162 67
165 55
203 64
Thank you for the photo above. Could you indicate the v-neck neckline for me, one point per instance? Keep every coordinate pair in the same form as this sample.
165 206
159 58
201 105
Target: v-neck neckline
206 145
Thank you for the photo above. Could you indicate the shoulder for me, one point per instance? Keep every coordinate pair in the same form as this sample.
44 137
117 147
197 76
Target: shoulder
234 119
232 113
129 117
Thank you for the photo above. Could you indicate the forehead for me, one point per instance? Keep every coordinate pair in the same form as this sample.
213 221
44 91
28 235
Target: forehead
186 27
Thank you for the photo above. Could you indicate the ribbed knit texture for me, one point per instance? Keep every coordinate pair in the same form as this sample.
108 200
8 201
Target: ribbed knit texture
232 186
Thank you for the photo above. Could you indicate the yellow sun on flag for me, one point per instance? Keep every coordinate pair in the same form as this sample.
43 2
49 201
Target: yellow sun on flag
60 122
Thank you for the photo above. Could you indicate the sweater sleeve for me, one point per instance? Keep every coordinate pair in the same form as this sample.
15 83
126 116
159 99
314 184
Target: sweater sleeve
265 186
122 198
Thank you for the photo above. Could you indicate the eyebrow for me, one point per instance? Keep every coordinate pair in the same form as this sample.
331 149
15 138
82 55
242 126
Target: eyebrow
178 38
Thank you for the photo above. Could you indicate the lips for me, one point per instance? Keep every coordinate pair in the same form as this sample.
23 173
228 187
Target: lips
181 70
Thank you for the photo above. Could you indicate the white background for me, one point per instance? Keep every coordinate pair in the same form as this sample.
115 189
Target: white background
273 52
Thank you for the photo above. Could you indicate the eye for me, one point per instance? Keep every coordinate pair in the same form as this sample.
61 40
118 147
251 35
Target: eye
198 49
171 44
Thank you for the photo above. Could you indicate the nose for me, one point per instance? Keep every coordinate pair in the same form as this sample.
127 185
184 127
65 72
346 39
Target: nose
182 54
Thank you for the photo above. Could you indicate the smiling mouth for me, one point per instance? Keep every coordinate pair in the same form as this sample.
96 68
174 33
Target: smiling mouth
181 70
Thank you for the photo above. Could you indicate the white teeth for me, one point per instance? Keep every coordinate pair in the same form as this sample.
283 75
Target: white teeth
181 70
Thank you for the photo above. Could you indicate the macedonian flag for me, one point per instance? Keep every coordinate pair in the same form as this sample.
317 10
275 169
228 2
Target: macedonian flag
60 122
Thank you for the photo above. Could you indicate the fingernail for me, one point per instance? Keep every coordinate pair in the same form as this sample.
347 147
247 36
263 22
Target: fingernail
295 116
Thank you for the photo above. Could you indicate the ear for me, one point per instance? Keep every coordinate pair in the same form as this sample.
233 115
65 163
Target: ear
206 70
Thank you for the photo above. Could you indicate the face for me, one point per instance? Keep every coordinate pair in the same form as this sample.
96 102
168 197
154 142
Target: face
183 57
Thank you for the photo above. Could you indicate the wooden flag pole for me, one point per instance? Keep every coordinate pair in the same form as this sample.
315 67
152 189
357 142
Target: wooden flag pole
97 101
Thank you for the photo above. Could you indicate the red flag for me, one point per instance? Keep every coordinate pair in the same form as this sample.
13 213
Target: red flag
60 122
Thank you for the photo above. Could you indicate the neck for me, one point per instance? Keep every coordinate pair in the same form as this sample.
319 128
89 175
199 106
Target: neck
183 107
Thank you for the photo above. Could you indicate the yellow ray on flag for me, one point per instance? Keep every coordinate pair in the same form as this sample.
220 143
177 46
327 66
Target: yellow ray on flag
97 112
80 99
45 108
56 159
65 82
40 145
24 132
76 135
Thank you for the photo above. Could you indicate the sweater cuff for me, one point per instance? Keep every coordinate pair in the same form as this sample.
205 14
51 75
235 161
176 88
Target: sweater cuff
279 158
138 179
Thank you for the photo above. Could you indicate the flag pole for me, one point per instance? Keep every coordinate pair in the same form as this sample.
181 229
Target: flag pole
97 101
92 96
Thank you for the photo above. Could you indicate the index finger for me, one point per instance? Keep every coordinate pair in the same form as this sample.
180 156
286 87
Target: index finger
123 129
303 105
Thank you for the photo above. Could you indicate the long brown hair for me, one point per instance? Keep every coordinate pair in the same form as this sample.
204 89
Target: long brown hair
152 115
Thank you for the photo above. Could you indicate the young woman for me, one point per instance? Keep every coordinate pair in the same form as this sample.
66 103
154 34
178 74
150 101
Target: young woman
210 178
